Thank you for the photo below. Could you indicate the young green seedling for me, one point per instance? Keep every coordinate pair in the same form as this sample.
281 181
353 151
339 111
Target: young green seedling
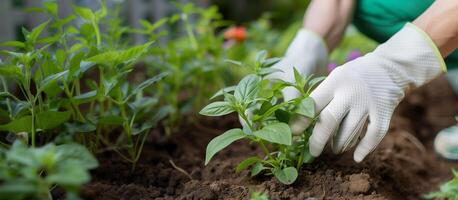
32 173
448 190
269 124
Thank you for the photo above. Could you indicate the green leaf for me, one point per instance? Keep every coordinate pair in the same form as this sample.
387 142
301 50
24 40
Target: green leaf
297 77
79 127
248 88
77 153
51 80
257 168
234 62
35 33
117 57
222 91
146 83
267 71
283 116
17 189
315 81
23 124
51 119
286 176
69 174
84 98
218 108
17 44
222 141
111 120
83 12
10 70
306 107
261 56
270 62
246 163
279 133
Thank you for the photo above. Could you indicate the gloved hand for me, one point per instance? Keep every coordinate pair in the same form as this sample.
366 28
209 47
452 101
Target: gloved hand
368 89
307 53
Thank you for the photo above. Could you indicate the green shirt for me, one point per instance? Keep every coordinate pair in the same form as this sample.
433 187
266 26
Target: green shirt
380 19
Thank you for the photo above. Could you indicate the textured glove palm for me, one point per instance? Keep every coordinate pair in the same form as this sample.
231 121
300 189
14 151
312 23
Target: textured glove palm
368 89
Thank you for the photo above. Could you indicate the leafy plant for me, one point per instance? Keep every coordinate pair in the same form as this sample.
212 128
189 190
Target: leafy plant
448 190
270 123
32 173
194 61
259 196
57 92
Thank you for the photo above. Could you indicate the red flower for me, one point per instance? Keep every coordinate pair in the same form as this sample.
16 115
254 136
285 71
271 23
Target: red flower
238 34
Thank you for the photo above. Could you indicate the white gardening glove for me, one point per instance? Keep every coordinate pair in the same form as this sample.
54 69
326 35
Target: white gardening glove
368 89
307 53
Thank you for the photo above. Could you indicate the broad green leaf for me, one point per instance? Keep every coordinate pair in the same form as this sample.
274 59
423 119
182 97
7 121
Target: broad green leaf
306 107
111 120
17 189
23 124
17 44
36 32
279 133
79 127
152 27
222 91
315 81
218 108
246 163
257 168
85 98
307 158
270 62
51 7
51 119
85 13
146 83
248 88
69 175
10 70
261 56
283 116
50 80
267 71
142 128
222 141
286 176
102 12
297 77
76 153
117 57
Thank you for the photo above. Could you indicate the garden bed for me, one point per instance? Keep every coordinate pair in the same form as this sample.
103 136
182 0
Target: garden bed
401 168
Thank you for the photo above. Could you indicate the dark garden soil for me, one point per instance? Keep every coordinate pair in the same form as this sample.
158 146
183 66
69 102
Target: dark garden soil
404 166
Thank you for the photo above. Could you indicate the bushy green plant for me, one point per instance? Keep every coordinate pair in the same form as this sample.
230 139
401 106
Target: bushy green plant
448 190
32 173
57 89
194 62
270 123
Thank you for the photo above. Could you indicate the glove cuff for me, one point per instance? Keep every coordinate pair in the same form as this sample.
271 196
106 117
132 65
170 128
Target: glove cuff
308 45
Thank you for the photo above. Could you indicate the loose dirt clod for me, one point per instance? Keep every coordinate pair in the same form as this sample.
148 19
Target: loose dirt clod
359 183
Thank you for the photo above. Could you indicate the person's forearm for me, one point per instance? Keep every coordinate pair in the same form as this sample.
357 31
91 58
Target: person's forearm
440 23
329 19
